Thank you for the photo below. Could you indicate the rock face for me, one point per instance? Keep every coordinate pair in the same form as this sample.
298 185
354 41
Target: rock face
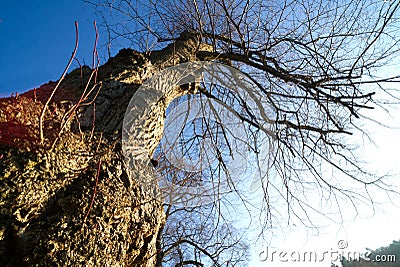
69 201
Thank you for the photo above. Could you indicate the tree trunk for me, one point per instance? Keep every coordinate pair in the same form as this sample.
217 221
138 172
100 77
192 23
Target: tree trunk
69 201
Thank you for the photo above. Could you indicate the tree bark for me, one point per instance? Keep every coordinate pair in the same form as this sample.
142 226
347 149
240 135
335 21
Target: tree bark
70 201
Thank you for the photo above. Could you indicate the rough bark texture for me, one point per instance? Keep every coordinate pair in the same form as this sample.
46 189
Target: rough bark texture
46 217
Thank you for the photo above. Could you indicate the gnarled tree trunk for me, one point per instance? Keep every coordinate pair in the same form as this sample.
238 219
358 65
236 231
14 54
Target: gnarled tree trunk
69 201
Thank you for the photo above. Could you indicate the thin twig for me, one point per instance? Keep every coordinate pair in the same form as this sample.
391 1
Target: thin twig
58 84
93 121
94 192
86 92
96 60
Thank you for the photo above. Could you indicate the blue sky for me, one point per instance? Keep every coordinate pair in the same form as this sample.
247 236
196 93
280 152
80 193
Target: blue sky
37 39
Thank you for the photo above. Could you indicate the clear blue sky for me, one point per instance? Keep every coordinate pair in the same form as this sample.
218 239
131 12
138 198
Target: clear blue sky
37 39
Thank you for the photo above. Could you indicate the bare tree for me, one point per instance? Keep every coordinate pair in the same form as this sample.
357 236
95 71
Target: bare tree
314 66
200 239
197 236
